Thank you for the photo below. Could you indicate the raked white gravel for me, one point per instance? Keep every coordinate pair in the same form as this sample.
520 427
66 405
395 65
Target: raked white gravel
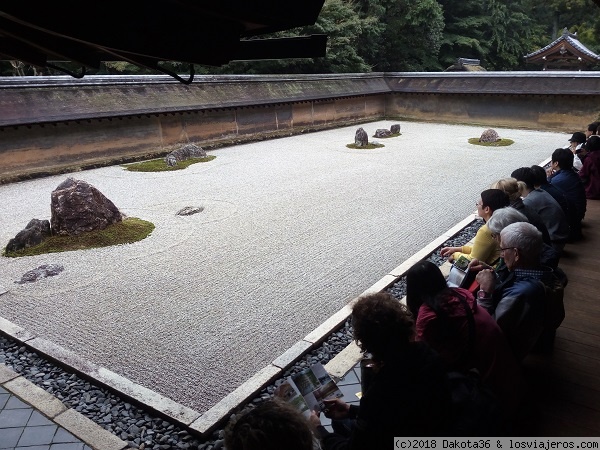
292 229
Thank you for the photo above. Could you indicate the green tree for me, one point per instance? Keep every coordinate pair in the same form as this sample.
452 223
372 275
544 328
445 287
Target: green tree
464 31
511 34
497 32
403 35
578 16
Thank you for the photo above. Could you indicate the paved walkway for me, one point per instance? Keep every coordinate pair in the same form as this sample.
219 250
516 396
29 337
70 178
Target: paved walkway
24 427
32 419
299 224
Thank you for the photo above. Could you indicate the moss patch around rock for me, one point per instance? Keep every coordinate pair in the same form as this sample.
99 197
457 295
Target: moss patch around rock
159 165
365 147
500 143
127 231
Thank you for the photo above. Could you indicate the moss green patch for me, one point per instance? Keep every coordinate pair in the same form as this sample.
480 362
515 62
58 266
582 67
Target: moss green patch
500 143
390 136
159 165
365 147
127 231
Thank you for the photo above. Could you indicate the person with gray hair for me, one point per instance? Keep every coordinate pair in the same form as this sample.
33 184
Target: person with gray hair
499 220
517 302
503 217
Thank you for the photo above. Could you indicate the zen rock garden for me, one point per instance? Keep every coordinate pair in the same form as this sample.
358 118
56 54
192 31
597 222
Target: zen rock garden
361 139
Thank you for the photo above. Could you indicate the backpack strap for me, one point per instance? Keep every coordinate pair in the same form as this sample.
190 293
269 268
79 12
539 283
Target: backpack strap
471 324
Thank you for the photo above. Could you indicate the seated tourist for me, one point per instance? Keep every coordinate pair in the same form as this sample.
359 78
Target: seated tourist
568 207
518 302
575 144
484 247
272 425
511 187
592 129
562 175
408 395
590 171
462 332
544 204
501 218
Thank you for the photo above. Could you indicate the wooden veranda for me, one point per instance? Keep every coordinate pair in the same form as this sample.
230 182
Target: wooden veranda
564 396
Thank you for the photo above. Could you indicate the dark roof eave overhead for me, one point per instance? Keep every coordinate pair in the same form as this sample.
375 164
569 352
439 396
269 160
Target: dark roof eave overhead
194 32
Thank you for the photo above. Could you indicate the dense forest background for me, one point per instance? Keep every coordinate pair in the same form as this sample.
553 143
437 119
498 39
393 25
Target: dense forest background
412 35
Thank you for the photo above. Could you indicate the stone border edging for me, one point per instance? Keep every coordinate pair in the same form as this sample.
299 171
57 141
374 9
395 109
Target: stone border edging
75 423
207 422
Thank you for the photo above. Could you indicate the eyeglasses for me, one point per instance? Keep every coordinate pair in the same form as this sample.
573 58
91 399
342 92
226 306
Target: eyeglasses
508 248
478 204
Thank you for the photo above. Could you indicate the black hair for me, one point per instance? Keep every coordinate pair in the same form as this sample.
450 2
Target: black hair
539 175
593 144
424 283
525 175
494 199
564 157
593 127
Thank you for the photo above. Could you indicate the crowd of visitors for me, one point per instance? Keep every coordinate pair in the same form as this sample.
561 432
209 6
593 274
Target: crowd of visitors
486 328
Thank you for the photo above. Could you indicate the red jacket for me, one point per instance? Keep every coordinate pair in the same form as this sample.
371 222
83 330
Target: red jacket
590 175
490 355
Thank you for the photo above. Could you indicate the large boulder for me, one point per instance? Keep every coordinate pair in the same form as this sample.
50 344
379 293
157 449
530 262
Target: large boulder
33 234
78 207
395 129
361 139
186 152
489 135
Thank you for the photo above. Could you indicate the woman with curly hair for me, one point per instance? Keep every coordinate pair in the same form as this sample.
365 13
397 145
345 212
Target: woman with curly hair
272 425
407 396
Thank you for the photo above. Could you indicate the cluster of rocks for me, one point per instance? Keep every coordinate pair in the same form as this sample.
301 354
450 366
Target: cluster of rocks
361 139
489 135
384 133
186 152
76 207
143 429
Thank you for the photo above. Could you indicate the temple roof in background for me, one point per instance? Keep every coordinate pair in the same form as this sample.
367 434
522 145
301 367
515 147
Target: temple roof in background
565 53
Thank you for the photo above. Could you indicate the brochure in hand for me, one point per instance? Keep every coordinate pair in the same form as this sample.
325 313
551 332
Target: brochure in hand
458 272
461 276
306 390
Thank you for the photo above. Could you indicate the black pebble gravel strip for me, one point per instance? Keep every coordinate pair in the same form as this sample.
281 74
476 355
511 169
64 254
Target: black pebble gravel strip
144 429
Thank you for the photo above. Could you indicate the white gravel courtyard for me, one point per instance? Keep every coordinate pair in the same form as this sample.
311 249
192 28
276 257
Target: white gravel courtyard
292 229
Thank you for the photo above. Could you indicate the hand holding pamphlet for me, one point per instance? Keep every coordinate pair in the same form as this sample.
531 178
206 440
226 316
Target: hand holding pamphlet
308 389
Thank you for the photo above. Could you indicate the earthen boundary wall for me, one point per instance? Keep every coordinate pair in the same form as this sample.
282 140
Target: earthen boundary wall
60 124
